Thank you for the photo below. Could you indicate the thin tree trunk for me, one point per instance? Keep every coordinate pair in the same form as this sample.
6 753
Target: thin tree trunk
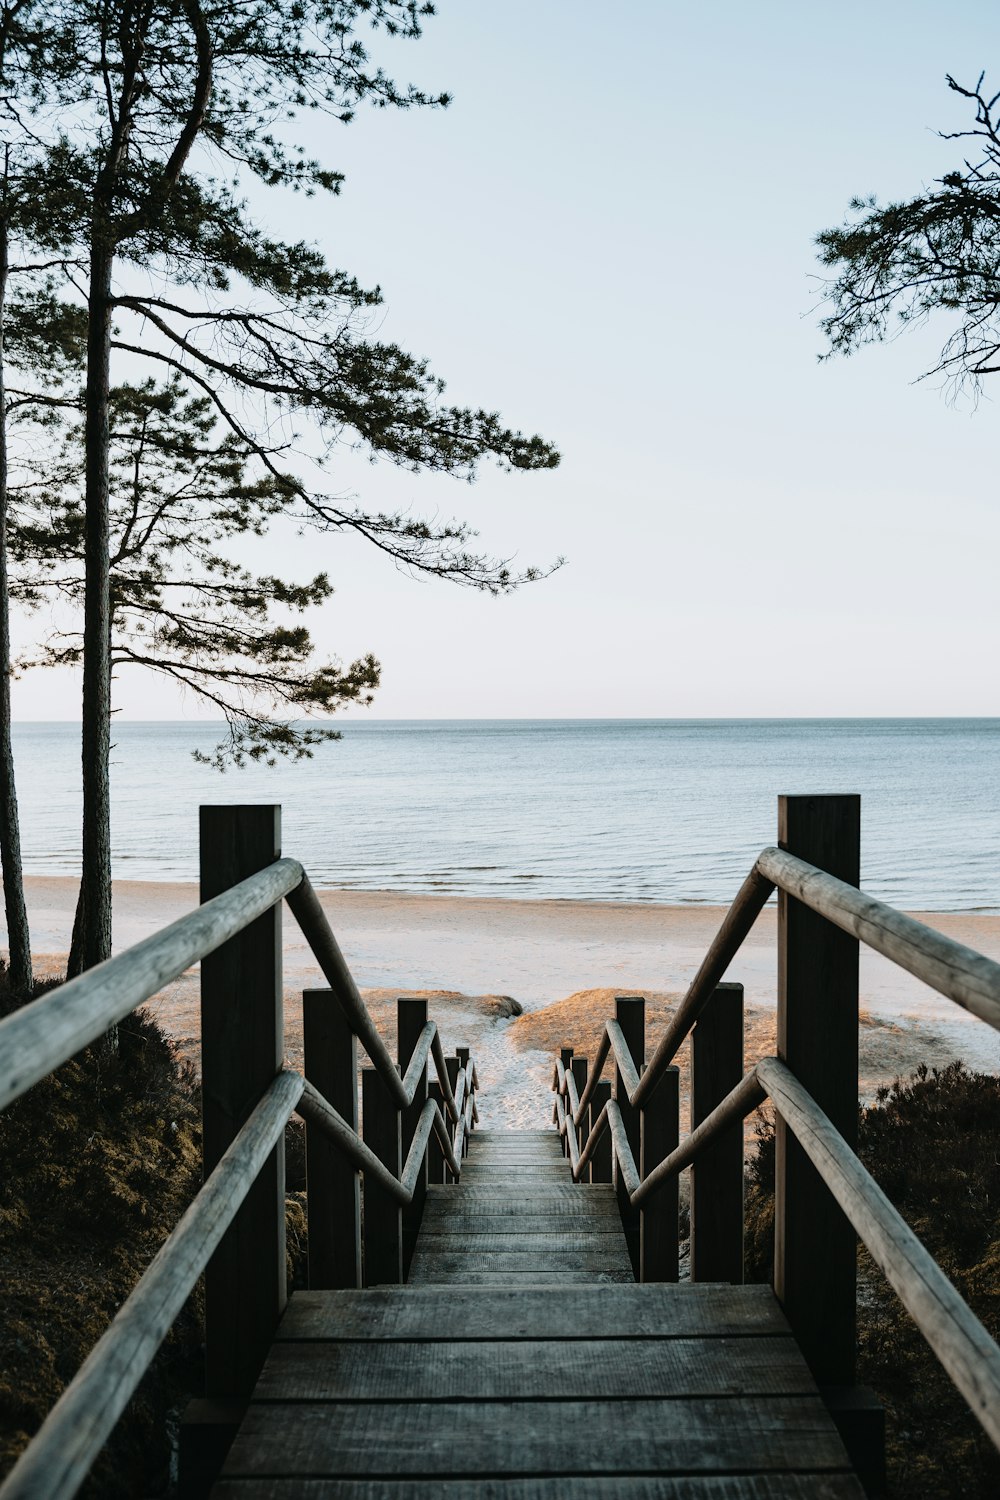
92 927
18 938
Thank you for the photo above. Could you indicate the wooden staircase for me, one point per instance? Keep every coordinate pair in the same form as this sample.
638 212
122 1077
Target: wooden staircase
522 1360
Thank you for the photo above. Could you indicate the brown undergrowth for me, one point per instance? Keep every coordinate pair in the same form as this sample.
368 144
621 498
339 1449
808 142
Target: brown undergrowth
933 1145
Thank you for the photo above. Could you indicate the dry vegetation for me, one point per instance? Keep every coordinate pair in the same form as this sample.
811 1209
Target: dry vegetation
100 1160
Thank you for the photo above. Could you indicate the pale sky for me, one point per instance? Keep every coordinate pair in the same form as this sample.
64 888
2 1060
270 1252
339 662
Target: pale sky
608 238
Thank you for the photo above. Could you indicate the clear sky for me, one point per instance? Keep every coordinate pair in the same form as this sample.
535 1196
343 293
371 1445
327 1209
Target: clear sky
608 238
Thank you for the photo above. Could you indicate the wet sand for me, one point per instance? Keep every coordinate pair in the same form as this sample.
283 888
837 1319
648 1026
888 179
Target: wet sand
471 955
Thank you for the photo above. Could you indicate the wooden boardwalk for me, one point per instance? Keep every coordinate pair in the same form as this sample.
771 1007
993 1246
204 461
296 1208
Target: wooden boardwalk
522 1362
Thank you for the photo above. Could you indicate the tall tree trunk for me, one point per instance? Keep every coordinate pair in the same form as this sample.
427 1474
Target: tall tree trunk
92 927
18 938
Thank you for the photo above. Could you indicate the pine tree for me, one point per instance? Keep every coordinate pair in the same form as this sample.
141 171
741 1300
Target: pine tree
899 264
151 114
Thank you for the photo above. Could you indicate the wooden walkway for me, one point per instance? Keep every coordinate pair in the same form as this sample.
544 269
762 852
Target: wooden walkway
522 1362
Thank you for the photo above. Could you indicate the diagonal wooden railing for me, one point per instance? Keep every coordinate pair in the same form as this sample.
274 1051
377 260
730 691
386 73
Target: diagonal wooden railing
814 1264
46 1033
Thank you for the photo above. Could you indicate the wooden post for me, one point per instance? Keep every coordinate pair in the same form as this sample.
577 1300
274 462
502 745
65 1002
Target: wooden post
436 1169
452 1066
717 1174
383 1220
578 1067
333 1185
630 1013
566 1058
411 1018
659 1248
815 1248
600 1162
463 1054
241 1051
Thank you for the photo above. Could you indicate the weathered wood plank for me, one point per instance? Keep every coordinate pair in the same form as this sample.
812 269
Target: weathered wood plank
588 1369
606 1312
474 1259
611 1243
472 1172
533 1199
566 1487
567 1221
531 1277
474 1437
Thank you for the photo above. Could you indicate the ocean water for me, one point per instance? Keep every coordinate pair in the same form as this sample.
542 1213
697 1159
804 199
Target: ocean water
612 810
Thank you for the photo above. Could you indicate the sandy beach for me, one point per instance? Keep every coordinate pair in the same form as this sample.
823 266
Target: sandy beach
561 962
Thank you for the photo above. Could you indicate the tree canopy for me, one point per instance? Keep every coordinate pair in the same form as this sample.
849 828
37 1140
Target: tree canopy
897 264
140 125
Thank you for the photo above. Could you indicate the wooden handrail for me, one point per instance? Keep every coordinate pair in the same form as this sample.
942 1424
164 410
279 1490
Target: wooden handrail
961 974
956 1336
318 1111
739 1103
69 1440
742 914
44 1034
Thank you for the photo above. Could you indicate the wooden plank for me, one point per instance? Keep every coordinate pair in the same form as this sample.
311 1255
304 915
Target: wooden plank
531 1276
494 1156
815 1247
473 1172
620 1487
587 1258
242 1045
607 1312
588 1369
498 1199
474 1437
610 1243
439 1221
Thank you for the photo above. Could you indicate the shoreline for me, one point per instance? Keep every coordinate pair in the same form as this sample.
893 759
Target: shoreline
466 952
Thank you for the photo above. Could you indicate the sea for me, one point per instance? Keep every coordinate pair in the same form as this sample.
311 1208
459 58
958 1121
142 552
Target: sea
637 810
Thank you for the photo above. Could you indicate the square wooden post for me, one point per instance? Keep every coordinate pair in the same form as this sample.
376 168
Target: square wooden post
630 1013
717 1174
815 1247
333 1184
659 1246
411 1018
566 1058
578 1067
383 1220
437 1168
452 1066
241 1052
600 1162
463 1054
